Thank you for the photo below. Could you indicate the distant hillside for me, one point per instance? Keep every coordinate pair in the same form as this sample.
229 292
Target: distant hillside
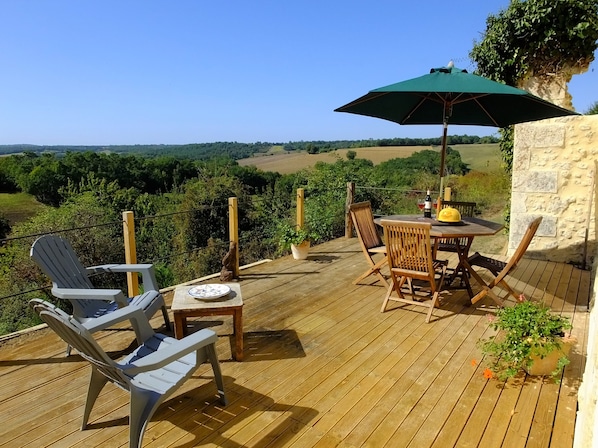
236 151
479 157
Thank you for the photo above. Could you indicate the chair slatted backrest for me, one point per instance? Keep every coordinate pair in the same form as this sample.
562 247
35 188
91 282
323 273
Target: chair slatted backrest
74 334
409 247
57 259
521 248
467 209
363 220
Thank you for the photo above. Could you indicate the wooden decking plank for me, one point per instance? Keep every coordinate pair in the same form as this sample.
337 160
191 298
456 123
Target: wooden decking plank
550 290
407 368
519 425
505 409
419 399
323 368
548 272
399 358
564 427
366 387
540 433
459 372
351 315
425 410
479 414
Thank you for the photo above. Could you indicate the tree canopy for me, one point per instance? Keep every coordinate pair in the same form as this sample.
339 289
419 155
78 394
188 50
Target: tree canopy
537 37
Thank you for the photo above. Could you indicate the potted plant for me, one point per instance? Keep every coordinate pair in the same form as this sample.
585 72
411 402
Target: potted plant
295 238
530 337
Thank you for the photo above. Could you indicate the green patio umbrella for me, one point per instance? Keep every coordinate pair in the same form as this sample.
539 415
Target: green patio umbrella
452 95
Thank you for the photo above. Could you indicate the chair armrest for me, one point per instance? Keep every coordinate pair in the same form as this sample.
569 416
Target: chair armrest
131 313
167 353
115 295
147 272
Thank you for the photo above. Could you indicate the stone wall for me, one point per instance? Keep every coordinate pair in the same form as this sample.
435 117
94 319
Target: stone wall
586 425
554 174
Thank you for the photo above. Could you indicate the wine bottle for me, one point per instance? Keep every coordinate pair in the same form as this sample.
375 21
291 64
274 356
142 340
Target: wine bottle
428 205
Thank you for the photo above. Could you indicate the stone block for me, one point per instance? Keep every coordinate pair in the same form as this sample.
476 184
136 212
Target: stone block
546 136
518 182
520 223
540 181
519 206
521 158
547 226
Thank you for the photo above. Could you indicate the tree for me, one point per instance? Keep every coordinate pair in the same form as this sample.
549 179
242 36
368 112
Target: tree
593 110
537 38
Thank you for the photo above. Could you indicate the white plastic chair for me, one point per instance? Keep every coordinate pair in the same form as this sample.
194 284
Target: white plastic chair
150 373
70 281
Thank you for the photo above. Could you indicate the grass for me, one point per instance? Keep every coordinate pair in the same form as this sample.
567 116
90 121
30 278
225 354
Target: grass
18 207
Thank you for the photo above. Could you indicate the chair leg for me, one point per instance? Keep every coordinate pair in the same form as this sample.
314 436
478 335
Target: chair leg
166 319
394 286
96 384
480 295
504 285
143 405
373 270
213 358
433 304
387 297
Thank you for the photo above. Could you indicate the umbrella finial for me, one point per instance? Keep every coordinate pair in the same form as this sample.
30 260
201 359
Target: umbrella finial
451 64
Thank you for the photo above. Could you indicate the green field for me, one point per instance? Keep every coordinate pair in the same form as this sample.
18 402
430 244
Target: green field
17 207
480 157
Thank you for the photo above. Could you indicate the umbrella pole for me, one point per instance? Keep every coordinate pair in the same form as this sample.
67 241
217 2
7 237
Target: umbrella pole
442 157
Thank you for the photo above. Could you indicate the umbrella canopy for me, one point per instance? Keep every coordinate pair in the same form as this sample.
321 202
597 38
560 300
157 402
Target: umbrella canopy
452 95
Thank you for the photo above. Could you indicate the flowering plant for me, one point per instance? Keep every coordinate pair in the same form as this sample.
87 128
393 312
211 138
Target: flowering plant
527 330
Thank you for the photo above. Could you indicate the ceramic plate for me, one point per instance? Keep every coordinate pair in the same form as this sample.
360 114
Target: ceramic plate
209 292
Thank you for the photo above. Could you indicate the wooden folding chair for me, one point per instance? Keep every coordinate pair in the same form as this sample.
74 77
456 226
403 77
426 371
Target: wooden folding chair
501 269
409 253
369 238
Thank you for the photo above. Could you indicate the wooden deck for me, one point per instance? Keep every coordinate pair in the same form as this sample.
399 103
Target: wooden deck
323 367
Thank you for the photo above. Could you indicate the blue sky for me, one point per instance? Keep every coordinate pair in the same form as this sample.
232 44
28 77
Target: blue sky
103 72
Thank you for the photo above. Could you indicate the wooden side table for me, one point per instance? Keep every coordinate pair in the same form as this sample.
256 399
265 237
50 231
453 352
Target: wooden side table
184 306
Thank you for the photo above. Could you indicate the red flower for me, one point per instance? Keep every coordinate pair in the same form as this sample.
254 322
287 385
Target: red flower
474 362
488 374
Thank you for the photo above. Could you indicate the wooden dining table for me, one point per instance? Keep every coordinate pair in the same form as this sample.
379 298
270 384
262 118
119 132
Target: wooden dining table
468 228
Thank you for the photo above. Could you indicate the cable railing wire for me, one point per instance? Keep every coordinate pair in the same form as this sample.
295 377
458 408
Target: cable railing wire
72 229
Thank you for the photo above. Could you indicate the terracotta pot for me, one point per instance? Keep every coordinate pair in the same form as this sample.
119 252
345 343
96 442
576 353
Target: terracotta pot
300 251
548 364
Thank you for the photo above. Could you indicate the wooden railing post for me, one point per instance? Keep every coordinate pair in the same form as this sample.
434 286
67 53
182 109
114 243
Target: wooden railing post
348 201
233 231
300 207
130 252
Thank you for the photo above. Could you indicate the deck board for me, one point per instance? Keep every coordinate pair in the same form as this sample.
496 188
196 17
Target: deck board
323 367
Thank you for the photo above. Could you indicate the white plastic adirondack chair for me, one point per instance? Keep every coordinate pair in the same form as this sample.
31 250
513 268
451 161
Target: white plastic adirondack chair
57 259
150 373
